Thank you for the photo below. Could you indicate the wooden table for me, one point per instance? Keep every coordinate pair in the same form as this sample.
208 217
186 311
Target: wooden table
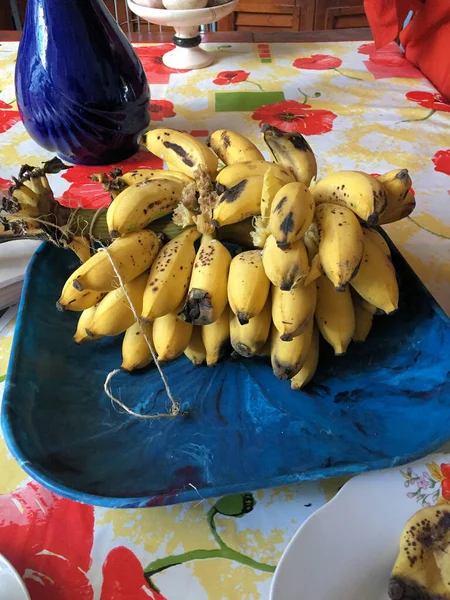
339 35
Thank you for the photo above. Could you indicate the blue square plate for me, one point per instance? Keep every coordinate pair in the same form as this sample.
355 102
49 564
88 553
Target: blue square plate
385 403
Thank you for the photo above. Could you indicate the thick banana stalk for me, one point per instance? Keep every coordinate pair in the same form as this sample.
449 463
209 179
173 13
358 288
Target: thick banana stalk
195 350
291 150
249 340
239 202
207 296
141 204
335 315
292 213
422 571
292 311
215 337
114 315
363 194
82 333
135 351
397 184
181 151
170 275
309 368
376 281
232 147
132 255
289 357
377 239
363 322
285 267
248 285
232 175
397 212
72 299
341 243
138 175
171 336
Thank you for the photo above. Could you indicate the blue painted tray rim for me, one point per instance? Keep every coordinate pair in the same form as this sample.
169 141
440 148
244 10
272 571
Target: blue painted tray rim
186 494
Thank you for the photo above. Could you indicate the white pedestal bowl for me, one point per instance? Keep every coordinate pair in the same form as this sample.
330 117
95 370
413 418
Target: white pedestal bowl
187 53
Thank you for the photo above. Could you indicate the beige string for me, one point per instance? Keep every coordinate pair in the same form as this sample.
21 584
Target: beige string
175 406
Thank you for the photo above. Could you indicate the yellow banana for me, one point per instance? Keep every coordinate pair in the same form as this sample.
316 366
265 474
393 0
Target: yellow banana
289 357
82 333
138 175
397 184
141 203
341 243
311 239
335 315
398 211
291 150
285 268
292 213
80 246
233 174
272 184
114 315
308 370
292 311
207 296
238 202
72 299
315 271
195 350
367 306
171 336
363 194
170 275
182 151
376 281
132 255
232 147
248 285
250 339
363 322
215 338
377 239
135 351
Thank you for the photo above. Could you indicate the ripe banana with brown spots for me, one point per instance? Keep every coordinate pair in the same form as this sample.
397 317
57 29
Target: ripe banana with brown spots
239 202
306 373
285 267
82 333
291 150
142 203
292 311
131 254
232 147
139 175
250 339
341 243
292 213
365 195
376 237
72 299
181 151
195 350
170 275
233 174
248 285
135 351
207 295
335 315
171 336
215 338
400 201
289 357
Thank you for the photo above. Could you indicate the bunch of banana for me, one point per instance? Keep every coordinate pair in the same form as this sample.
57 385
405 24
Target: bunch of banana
311 265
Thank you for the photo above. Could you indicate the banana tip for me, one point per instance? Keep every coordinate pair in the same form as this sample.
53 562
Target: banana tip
242 318
372 219
59 307
286 337
114 234
215 223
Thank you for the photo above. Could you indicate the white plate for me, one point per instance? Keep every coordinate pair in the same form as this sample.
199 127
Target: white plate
346 550
11 585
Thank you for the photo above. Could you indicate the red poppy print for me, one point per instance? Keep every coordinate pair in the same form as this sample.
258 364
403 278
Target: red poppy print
8 118
442 161
4 104
151 58
317 62
227 77
445 490
5 184
161 109
85 193
389 61
290 115
431 100
123 578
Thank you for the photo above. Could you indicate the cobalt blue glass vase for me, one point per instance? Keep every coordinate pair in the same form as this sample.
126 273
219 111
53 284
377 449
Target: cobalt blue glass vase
81 90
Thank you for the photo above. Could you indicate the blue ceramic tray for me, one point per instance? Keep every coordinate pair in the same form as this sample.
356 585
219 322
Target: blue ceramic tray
385 403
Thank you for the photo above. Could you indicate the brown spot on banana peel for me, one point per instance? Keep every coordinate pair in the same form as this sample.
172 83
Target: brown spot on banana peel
225 139
233 193
181 152
198 309
280 204
77 285
287 224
